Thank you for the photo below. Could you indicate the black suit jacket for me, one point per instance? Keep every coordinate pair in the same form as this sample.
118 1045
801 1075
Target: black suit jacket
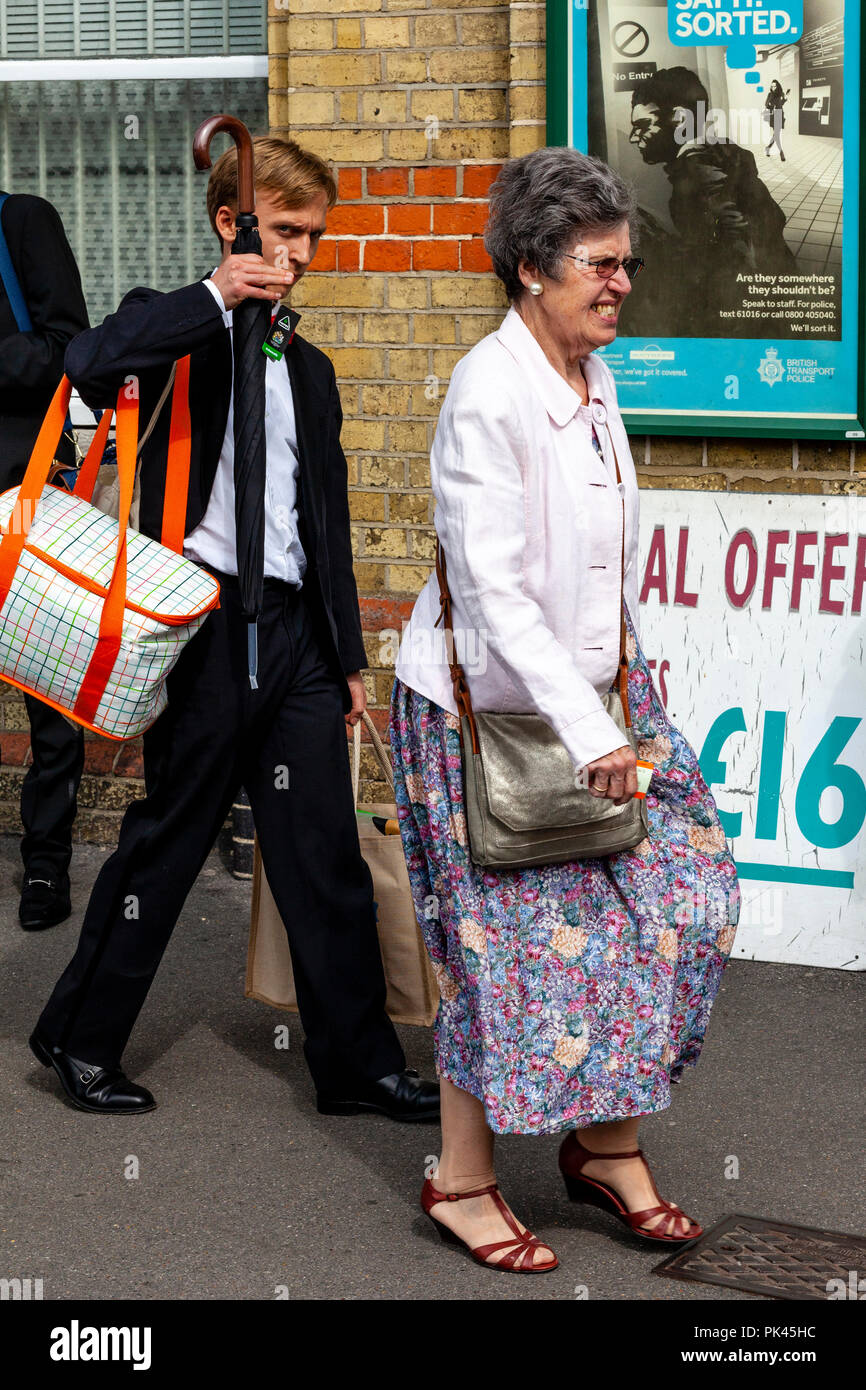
149 331
31 364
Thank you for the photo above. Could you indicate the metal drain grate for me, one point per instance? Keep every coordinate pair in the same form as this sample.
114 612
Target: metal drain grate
772 1258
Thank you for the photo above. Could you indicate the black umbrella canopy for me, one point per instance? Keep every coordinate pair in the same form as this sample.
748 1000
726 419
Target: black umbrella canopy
250 323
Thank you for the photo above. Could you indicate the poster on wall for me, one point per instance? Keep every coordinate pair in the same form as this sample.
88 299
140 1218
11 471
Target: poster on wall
753 620
738 126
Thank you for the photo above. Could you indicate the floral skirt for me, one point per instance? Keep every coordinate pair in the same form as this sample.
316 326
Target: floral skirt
570 993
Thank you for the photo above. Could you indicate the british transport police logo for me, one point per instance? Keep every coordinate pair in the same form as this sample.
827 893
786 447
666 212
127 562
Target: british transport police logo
771 369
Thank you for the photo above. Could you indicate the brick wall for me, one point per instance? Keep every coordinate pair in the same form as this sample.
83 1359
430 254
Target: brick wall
417 104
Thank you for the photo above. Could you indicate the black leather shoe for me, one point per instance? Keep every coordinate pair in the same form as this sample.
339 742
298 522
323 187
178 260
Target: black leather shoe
400 1096
45 901
101 1090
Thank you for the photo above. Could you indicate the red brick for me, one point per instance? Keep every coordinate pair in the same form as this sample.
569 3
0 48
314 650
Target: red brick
435 255
478 178
349 183
356 219
130 761
380 612
473 255
436 183
452 219
409 219
326 255
385 182
348 255
15 748
99 757
386 255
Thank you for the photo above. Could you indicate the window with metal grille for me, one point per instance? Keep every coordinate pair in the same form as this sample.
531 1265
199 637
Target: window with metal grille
112 148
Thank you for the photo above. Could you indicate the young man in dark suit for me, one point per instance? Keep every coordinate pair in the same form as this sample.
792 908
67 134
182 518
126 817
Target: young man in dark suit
31 365
284 739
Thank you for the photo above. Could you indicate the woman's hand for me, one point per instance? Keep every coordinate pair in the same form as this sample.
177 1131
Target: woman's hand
614 776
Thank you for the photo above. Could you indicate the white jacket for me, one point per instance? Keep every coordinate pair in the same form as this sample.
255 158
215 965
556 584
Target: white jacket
530 521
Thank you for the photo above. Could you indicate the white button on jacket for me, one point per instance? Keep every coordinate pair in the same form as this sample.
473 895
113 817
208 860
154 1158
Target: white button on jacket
530 521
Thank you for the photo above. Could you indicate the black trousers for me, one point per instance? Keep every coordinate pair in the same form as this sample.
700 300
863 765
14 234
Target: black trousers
50 790
286 743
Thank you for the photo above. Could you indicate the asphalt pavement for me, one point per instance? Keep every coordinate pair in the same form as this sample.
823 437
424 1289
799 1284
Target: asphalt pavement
236 1188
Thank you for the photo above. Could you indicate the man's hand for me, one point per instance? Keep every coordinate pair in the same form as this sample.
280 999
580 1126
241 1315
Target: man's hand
249 277
614 776
359 698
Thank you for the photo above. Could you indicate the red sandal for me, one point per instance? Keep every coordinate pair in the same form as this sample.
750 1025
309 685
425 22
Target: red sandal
572 1159
521 1246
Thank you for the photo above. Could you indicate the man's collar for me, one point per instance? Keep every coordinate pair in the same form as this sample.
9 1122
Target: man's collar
559 399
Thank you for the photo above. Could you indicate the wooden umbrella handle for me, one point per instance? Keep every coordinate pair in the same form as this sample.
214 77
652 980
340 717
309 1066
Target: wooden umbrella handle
243 140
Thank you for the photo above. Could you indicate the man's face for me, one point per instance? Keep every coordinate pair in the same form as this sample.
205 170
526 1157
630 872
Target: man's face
652 132
290 236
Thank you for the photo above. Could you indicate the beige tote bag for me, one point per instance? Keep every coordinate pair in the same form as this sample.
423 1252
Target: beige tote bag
413 995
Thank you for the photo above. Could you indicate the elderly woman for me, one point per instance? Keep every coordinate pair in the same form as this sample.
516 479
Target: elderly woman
572 994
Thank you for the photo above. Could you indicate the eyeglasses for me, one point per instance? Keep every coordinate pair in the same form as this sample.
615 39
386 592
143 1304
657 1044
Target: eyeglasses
607 266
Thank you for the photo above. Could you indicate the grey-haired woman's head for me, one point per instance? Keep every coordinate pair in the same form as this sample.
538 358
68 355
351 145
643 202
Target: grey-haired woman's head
542 203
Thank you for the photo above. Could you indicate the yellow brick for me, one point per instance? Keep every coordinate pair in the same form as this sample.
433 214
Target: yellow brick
345 145
435 31
468 65
426 399
408 436
352 472
367 506
333 291
382 472
384 540
406 293
526 138
308 34
477 326
278 36
386 33
348 33
383 106
676 452
350 396
386 328
527 64
689 482
750 453
408 506
278 113
363 434
409 146
321 329
337 70
409 364
369 578
846 487
419 473
487 143
351 325
527 25
432 101
311 108
348 107
445 360
407 579
384 686
812 486
358 362
316 6
482 104
434 328
278 71
423 545
405 67
385 399
467 291
490 30
527 103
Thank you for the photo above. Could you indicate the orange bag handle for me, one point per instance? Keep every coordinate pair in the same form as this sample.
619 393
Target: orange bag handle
15 531
177 469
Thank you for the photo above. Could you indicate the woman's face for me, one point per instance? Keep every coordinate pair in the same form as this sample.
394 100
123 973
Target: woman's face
582 308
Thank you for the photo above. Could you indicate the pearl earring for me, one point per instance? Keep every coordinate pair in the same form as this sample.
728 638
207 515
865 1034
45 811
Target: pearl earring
536 287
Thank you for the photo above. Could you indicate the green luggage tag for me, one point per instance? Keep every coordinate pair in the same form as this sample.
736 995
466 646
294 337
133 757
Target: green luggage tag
281 333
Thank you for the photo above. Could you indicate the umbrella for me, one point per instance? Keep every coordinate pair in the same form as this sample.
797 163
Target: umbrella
250 323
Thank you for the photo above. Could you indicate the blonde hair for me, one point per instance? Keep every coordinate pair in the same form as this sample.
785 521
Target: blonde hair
280 166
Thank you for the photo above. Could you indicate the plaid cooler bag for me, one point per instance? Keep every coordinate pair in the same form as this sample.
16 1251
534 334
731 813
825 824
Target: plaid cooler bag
93 615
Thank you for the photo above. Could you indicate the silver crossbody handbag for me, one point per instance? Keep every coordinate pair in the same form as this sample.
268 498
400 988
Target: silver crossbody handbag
522 807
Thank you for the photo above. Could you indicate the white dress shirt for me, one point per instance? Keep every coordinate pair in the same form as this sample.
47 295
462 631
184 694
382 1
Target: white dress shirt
213 541
530 520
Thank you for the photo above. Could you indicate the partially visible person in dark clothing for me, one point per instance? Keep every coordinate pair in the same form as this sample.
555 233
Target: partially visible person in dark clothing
774 115
31 365
726 220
